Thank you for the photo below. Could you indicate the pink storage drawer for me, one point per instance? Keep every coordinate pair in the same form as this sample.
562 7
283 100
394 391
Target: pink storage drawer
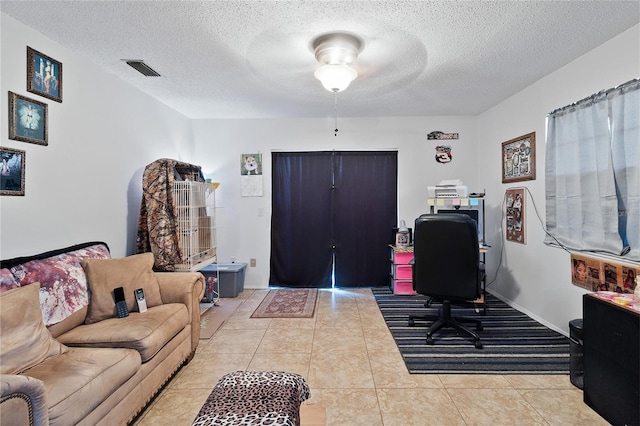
404 272
403 287
402 258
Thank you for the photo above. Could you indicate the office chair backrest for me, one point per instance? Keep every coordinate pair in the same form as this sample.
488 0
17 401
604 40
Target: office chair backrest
446 257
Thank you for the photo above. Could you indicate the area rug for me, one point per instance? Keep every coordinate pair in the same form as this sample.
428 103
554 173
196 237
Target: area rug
513 342
287 303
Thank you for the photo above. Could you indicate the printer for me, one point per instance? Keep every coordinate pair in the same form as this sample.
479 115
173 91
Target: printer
448 189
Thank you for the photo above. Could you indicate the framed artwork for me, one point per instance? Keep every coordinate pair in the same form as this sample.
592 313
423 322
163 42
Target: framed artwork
515 215
519 159
44 75
12 171
28 120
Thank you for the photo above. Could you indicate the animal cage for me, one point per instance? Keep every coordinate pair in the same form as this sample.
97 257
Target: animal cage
195 209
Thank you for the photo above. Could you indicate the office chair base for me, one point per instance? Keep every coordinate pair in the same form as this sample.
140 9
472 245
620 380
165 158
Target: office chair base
444 319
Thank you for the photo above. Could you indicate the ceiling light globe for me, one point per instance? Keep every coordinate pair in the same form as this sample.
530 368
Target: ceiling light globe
335 77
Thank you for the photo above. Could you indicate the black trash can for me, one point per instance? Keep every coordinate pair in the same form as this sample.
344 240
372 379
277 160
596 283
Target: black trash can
576 355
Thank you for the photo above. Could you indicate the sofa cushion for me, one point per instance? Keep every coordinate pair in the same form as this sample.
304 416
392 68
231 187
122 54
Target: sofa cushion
130 273
63 284
26 342
82 378
145 332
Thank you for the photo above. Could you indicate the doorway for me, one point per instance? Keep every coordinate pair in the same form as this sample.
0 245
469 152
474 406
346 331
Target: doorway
332 220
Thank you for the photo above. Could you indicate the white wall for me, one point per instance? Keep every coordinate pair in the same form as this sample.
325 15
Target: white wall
243 234
535 277
86 184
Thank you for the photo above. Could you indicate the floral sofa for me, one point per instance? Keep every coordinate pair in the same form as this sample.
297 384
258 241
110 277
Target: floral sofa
65 356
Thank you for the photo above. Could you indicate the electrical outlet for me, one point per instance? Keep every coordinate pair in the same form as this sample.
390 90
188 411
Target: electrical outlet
252 262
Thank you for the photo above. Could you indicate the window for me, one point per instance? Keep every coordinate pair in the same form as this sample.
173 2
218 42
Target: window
593 173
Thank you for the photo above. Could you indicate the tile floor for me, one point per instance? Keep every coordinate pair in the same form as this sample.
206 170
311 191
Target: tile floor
356 372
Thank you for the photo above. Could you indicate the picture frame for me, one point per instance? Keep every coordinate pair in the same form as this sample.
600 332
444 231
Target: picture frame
519 159
28 120
515 215
12 168
44 75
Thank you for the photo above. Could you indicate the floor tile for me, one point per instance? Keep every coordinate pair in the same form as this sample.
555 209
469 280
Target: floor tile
419 407
563 407
494 407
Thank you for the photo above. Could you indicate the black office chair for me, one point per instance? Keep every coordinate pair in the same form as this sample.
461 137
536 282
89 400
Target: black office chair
447 267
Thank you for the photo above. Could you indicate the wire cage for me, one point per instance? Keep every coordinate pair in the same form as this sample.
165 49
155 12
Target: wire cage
195 209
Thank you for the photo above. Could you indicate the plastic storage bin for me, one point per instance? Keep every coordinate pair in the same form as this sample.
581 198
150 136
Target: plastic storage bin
231 277
576 355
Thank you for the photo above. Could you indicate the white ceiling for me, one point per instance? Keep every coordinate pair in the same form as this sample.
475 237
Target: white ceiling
251 59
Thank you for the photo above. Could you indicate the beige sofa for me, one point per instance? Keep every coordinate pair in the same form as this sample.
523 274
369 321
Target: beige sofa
91 367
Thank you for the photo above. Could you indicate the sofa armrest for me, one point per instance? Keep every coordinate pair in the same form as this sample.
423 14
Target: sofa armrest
23 401
187 288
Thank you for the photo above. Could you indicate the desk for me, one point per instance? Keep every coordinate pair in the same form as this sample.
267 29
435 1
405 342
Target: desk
611 348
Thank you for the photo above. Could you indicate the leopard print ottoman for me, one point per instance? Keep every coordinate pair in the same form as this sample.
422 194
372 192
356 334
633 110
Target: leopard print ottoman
255 398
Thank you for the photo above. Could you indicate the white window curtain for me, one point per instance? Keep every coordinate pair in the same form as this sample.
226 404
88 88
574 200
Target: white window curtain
592 177
625 149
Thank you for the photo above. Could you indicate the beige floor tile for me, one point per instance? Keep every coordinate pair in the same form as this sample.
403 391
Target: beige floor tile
494 407
175 407
338 370
292 362
339 339
234 342
238 322
298 323
475 381
417 407
289 340
348 407
563 407
380 340
546 381
206 369
389 371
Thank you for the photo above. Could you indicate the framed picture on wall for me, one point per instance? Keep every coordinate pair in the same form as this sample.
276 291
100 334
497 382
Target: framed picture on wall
519 159
12 171
44 75
28 120
515 215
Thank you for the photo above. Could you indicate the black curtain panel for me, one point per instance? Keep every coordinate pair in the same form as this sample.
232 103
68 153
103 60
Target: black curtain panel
301 245
365 211
332 210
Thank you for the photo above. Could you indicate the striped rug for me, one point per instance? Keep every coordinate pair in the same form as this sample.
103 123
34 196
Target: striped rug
513 342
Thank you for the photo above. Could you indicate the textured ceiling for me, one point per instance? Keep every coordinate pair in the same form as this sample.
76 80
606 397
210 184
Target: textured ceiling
251 59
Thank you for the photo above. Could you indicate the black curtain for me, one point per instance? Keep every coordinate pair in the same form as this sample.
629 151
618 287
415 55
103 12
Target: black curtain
332 207
301 246
365 212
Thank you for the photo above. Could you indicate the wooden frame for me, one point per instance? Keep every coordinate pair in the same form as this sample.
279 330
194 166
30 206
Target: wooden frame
44 75
12 171
28 120
519 159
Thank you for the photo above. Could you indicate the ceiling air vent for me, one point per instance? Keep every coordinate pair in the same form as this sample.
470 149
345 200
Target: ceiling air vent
141 67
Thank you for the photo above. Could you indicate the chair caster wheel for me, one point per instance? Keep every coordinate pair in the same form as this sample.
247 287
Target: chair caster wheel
411 323
429 341
478 345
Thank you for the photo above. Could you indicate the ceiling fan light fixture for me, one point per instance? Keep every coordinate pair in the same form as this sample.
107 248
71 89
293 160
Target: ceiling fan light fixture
335 77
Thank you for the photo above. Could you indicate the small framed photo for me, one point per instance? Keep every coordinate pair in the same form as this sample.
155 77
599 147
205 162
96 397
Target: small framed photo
44 75
519 159
12 171
28 120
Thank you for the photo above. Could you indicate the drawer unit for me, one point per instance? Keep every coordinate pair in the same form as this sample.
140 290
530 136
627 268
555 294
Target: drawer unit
401 270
